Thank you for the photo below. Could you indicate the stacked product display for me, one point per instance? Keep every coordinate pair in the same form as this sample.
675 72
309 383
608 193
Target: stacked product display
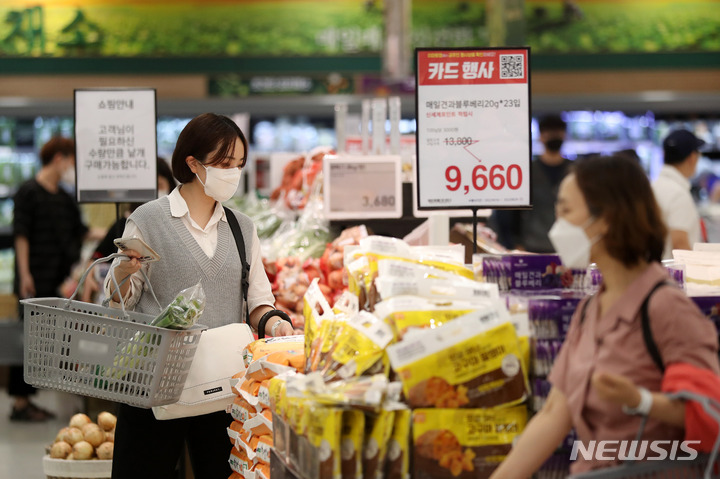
416 371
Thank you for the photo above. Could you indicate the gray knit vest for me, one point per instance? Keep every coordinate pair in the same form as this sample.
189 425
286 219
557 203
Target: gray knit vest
183 264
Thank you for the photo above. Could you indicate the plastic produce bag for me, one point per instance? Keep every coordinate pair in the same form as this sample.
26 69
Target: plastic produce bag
184 310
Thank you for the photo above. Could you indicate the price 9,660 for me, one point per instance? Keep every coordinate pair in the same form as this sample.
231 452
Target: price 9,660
497 178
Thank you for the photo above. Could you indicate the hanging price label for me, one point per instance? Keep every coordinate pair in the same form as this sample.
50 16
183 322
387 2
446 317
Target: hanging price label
361 187
473 132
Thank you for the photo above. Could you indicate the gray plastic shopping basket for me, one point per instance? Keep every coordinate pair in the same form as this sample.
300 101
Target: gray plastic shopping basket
104 352
705 466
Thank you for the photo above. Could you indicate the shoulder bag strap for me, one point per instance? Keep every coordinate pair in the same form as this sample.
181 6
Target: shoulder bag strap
647 333
240 242
645 324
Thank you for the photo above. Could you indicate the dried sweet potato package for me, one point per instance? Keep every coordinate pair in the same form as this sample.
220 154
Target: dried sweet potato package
321 459
397 462
359 345
322 347
464 364
378 430
407 313
315 310
463 443
352 437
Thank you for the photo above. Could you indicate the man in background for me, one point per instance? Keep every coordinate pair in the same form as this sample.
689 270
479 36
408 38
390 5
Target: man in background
48 234
672 190
527 230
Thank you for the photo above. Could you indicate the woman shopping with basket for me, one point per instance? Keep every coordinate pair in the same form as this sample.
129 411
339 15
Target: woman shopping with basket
193 235
607 375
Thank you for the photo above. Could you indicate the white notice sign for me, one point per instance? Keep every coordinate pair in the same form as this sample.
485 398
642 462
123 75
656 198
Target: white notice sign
116 145
473 115
360 187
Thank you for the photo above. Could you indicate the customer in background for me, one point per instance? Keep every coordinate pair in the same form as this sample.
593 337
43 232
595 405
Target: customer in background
190 232
527 230
165 184
48 234
605 375
672 190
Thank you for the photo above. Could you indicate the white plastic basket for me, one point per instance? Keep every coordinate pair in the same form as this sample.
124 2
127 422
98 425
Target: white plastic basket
64 469
103 352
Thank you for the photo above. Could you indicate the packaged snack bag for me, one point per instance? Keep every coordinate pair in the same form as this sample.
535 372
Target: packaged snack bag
235 432
241 410
315 310
261 424
263 347
260 471
359 345
378 429
351 444
465 363
397 463
263 447
322 459
463 443
406 313
239 461
323 346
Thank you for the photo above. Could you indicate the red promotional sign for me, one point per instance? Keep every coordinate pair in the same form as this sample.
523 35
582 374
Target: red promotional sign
466 67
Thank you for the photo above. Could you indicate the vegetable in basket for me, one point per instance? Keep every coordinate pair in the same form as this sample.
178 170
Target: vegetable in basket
181 313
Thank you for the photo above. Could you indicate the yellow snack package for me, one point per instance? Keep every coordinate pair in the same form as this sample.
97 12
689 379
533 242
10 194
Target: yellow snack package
321 459
351 444
315 310
463 443
406 313
465 363
397 463
322 347
378 430
359 345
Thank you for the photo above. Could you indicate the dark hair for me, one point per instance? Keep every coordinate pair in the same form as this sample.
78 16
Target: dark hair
616 189
201 136
671 156
552 123
163 169
57 144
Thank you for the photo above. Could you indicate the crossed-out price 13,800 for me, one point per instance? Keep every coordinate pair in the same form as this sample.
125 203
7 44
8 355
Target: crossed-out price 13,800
496 178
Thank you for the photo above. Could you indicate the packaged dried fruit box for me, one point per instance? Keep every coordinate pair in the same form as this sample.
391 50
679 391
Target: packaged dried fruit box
463 443
464 364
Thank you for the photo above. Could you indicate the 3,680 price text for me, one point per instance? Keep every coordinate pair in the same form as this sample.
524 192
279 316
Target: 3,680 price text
497 178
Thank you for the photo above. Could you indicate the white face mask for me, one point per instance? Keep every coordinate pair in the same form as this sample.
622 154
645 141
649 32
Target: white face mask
68 177
572 243
220 183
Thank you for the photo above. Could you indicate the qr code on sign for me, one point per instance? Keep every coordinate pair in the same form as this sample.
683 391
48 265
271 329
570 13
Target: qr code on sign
512 66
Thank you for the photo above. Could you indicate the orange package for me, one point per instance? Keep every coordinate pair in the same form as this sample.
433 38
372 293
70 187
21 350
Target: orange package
263 347
262 449
234 432
261 424
276 363
241 410
235 475
264 394
236 381
239 462
262 471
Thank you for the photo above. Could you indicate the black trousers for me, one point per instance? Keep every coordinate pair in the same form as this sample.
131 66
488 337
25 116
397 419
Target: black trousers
146 447
16 383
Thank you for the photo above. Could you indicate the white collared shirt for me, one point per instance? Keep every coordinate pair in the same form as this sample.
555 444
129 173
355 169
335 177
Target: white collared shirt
672 192
207 239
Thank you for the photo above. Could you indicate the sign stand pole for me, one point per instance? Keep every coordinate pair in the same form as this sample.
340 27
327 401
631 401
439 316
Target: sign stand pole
475 222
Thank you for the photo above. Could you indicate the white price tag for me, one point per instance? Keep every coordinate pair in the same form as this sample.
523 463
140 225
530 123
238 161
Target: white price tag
116 145
473 112
361 187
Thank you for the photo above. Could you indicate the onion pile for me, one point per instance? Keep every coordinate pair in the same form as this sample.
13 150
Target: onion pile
83 439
